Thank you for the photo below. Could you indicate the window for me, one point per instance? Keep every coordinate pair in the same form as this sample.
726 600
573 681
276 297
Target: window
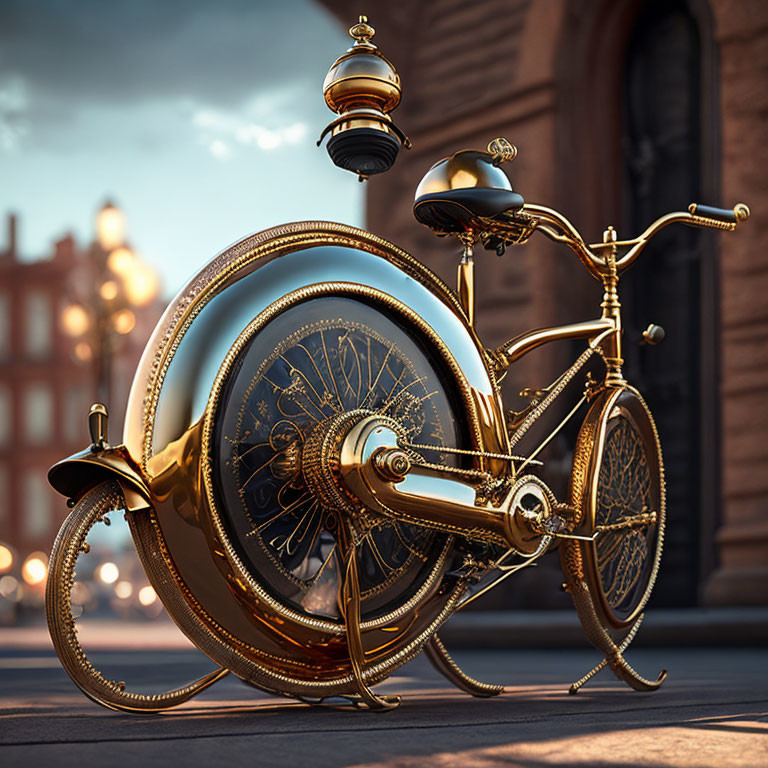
38 414
5 501
36 501
37 324
75 410
6 416
5 325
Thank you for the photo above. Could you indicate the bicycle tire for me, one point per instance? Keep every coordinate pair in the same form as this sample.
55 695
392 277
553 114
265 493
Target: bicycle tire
70 543
618 474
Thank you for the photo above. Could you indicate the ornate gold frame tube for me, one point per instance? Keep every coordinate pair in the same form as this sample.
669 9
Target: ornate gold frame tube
518 346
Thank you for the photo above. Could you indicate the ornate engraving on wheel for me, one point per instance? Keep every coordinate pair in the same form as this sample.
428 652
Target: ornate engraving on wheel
293 383
624 491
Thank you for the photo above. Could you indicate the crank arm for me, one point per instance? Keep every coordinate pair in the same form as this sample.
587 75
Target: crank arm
376 470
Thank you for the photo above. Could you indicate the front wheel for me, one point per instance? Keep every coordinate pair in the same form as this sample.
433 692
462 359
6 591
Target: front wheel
617 488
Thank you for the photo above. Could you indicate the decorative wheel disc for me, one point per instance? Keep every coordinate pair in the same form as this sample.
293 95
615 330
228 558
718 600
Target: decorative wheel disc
292 390
625 558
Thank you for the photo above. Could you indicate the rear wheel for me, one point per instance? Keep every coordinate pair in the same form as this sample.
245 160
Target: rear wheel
293 389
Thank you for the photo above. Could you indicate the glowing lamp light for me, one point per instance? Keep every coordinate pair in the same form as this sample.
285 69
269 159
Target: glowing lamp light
141 284
108 573
124 321
74 320
6 558
123 589
83 352
110 227
109 290
35 568
121 261
147 596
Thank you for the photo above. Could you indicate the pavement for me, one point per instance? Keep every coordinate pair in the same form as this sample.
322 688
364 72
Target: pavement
711 711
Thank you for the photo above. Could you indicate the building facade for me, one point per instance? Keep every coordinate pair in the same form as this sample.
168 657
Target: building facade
622 110
45 390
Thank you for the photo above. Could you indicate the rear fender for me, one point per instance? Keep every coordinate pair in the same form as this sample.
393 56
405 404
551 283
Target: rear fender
76 475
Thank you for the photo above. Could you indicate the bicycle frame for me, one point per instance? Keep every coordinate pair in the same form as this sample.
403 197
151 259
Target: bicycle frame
425 495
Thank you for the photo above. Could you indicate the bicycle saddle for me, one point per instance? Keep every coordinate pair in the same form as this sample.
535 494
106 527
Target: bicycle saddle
461 188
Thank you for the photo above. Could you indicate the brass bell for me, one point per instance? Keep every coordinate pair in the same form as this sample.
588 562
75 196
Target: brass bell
363 87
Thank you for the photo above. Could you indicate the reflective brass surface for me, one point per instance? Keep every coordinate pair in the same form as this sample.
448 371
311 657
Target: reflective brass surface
463 170
589 489
73 476
98 426
465 279
363 76
521 345
428 496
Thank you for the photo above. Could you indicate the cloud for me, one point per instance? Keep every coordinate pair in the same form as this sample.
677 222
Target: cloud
13 108
219 128
246 61
219 149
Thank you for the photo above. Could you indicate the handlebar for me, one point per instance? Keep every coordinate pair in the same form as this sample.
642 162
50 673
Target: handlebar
556 227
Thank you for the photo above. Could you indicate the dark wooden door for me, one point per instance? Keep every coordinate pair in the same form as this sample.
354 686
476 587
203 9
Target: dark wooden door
672 284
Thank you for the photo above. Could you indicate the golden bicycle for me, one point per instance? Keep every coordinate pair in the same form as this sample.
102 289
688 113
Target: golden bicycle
318 470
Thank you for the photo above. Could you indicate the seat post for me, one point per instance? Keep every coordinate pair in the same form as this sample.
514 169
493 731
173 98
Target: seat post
465 279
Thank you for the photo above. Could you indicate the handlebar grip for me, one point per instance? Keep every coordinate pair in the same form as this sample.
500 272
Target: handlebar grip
739 212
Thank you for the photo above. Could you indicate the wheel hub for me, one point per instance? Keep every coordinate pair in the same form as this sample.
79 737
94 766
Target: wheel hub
320 461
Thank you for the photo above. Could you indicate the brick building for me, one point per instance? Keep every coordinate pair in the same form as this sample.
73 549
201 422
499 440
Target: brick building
45 391
622 110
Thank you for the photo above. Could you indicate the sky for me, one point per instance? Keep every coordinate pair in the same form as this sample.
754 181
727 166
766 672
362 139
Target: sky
198 118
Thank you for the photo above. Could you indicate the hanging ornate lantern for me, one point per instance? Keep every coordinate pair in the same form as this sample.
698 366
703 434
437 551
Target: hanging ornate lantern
363 87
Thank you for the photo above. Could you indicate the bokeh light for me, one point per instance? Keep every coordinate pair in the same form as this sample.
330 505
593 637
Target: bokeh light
147 596
83 352
74 320
108 573
109 290
6 558
35 568
9 588
110 227
80 593
121 261
124 321
141 284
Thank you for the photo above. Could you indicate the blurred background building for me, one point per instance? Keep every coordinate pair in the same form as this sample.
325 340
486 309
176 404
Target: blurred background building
621 109
72 329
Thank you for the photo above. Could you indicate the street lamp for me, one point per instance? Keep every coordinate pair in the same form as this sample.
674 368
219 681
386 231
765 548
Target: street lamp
120 282
110 227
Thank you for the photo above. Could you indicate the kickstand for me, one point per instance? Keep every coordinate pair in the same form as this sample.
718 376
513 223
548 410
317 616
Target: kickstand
351 605
623 647
442 661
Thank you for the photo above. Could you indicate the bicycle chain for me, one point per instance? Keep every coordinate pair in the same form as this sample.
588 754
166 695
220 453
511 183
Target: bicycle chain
537 411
